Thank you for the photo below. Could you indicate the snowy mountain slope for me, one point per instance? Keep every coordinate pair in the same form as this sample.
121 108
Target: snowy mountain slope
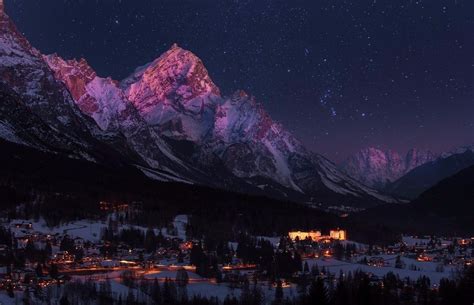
376 168
55 122
88 116
32 89
23 69
102 100
176 96
169 119
18 124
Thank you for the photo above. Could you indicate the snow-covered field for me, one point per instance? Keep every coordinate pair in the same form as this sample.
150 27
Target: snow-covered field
427 269
414 241
91 230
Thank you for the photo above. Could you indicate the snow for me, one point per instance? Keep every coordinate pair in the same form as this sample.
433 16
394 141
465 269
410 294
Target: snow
8 133
91 230
85 229
414 241
6 300
343 184
282 166
177 73
173 96
161 176
180 222
109 99
161 275
458 150
375 167
212 290
275 241
428 269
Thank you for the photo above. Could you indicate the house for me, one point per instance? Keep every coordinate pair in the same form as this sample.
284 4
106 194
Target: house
338 234
300 235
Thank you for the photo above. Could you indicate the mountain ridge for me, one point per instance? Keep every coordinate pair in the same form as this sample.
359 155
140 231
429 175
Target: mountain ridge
423 177
172 100
377 168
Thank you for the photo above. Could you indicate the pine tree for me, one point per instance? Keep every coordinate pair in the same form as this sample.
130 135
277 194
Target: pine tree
26 297
318 293
53 271
48 249
156 293
306 268
150 241
39 270
279 293
130 297
64 301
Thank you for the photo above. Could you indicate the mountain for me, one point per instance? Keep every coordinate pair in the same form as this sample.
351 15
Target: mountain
177 97
427 175
452 198
167 119
37 110
444 209
103 101
378 168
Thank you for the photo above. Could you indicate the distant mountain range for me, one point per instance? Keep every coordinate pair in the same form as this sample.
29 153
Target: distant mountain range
168 119
429 174
377 168
406 176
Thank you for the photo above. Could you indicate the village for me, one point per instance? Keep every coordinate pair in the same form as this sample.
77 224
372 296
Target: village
34 256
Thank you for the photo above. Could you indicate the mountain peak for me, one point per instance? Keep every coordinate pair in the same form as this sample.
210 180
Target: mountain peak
240 94
174 90
177 75
174 46
173 97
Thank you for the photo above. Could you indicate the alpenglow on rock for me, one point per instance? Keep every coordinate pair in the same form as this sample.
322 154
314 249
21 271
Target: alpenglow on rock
376 168
169 119
178 98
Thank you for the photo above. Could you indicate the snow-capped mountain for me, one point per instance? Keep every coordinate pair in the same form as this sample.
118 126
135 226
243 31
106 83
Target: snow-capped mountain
425 176
30 89
376 168
168 118
177 97
103 100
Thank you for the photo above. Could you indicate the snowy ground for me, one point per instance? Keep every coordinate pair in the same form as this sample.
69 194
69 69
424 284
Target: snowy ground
427 269
85 229
91 230
197 286
414 241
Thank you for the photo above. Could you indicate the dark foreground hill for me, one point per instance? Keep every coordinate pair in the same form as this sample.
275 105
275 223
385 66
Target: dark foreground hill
445 209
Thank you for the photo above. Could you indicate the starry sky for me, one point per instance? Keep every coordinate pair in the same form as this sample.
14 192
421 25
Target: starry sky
340 74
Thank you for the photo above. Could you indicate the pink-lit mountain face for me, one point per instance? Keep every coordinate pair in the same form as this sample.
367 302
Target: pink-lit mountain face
169 119
177 97
102 100
63 107
376 168
38 97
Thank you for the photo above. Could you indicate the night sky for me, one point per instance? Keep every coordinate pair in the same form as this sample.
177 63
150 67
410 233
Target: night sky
342 75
